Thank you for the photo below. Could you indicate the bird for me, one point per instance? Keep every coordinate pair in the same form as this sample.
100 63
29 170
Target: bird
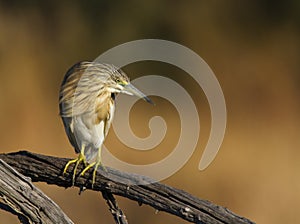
86 106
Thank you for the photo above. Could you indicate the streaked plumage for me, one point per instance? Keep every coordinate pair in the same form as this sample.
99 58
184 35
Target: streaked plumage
86 103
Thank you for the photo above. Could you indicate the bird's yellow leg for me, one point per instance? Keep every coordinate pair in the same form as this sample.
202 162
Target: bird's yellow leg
79 159
95 164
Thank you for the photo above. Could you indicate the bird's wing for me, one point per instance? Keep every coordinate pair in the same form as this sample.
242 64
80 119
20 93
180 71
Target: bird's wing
78 91
68 124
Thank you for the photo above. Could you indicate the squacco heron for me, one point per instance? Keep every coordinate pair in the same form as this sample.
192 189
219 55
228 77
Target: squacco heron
87 105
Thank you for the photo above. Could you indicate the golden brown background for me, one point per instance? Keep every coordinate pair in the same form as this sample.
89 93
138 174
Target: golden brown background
252 46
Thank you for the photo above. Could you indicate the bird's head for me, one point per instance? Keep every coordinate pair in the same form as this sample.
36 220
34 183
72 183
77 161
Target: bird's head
120 83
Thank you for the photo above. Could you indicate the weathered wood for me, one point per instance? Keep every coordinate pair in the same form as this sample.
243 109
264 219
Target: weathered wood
19 196
114 209
161 197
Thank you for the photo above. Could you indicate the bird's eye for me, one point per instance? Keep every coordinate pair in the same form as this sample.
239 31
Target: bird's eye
119 82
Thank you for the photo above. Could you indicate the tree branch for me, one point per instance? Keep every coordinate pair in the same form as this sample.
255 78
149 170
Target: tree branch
116 212
161 197
20 197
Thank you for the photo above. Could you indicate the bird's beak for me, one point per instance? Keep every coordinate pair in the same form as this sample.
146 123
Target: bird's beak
131 90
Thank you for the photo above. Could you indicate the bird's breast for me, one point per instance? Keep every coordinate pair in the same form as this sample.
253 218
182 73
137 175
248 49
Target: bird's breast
104 110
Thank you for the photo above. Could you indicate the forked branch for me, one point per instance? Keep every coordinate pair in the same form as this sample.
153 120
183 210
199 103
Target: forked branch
41 168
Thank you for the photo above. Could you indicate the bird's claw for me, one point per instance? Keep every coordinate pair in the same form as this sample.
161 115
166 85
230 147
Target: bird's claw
95 165
79 159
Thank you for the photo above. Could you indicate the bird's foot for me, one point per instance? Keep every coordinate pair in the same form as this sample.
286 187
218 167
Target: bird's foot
95 165
79 159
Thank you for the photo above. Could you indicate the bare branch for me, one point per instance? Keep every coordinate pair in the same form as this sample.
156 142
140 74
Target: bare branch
20 197
116 212
161 197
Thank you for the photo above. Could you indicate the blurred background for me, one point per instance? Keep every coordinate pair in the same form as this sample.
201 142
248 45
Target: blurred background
253 48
